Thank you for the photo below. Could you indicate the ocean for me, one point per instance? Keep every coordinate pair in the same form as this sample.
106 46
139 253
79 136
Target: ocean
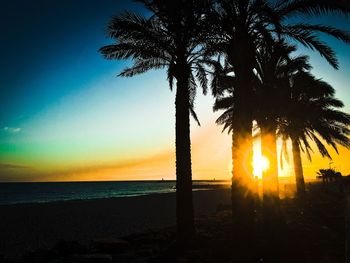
20 193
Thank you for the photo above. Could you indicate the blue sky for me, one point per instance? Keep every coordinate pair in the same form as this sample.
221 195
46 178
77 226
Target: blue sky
62 105
50 51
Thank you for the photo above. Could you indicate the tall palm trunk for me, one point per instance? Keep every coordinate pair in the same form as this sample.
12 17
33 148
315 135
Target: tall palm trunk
269 151
242 178
298 167
242 149
184 203
271 204
242 142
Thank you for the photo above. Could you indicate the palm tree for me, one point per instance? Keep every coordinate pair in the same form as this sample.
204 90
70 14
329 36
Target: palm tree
328 175
240 26
311 113
274 65
171 40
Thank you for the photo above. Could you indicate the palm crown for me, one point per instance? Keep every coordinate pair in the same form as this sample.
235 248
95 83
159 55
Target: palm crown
166 40
311 114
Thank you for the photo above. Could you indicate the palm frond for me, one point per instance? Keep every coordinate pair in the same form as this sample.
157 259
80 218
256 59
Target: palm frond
331 31
194 115
202 77
321 148
171 74
223 103
308 150
142 66
131 50
306 38
287 8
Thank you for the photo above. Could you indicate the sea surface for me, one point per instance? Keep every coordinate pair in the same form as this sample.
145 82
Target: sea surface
19 193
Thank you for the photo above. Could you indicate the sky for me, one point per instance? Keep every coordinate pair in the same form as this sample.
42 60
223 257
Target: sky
66 116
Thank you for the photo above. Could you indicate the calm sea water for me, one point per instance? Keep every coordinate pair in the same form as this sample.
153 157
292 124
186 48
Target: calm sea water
15 193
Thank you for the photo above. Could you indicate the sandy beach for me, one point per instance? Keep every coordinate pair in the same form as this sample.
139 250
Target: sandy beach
31 226
311 229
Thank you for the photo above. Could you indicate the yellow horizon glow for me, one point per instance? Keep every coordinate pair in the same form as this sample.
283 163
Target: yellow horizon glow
211 158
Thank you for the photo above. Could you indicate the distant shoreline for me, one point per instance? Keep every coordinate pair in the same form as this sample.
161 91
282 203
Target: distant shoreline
113 181
282 178
41 193
53 192
107 198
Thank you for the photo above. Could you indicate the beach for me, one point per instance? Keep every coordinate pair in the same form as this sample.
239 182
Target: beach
142 229
27 227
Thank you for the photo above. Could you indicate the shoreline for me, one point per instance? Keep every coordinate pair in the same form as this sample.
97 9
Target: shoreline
58 194
111 198
111 181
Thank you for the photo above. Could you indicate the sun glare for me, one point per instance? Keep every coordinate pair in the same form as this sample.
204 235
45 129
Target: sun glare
260 164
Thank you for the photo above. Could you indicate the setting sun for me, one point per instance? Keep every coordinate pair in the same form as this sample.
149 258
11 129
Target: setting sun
260 164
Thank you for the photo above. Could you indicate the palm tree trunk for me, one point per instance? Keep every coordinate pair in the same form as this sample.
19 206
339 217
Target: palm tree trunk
269 151
184 203
242 156
242 152
242 196
271 204
241 56
298 167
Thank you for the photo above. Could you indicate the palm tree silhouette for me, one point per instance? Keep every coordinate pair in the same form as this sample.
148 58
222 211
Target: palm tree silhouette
311 113
172 39
240 26
273 68
328 175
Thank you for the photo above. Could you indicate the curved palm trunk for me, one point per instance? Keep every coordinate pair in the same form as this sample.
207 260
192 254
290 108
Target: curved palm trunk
269 151
184 203
298 167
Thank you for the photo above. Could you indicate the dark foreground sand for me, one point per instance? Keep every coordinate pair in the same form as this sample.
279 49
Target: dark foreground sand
31 226
311 228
